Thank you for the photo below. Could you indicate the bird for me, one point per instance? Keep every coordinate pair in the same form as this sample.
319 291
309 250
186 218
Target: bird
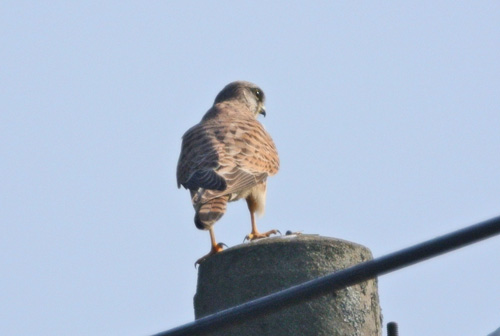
226 157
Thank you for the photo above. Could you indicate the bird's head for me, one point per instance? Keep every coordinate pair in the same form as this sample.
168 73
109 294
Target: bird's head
245 92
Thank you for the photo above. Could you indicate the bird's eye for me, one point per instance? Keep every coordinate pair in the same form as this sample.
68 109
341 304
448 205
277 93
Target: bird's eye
258 94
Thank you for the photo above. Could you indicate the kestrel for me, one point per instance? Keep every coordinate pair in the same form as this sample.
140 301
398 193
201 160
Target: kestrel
228 156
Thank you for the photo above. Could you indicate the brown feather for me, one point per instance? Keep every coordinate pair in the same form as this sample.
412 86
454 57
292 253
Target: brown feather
225 155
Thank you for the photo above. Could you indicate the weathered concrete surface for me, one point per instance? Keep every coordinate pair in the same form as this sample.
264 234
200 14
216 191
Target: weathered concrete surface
259 268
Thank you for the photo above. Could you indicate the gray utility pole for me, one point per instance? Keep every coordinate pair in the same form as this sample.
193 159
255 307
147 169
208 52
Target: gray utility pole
252 270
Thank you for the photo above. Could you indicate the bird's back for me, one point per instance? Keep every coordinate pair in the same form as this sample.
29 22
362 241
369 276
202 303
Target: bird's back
231 144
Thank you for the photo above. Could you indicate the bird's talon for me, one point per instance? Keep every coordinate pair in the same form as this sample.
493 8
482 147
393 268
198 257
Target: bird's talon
256 235
215 249
199 261
220 247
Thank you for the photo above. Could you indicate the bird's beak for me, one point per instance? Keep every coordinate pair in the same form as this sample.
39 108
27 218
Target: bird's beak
263 111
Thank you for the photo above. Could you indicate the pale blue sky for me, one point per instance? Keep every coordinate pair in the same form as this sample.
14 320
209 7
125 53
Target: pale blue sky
386 116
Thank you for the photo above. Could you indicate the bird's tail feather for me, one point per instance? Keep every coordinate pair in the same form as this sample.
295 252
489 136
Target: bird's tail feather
208 213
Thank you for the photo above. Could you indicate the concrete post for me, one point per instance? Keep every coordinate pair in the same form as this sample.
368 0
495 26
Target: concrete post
259 268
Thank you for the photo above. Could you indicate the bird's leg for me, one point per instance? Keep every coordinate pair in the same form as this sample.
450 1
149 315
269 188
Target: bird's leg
216 247
255 234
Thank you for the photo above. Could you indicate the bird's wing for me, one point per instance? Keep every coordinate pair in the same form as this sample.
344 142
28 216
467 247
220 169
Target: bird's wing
199 158
256 150
226 156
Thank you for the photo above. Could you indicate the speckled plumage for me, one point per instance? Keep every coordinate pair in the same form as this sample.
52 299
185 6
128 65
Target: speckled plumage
228 155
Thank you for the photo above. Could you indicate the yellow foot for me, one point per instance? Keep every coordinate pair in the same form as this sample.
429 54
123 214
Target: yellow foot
215 249
256 235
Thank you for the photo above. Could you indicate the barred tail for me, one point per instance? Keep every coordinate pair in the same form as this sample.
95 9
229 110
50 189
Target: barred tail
208 213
